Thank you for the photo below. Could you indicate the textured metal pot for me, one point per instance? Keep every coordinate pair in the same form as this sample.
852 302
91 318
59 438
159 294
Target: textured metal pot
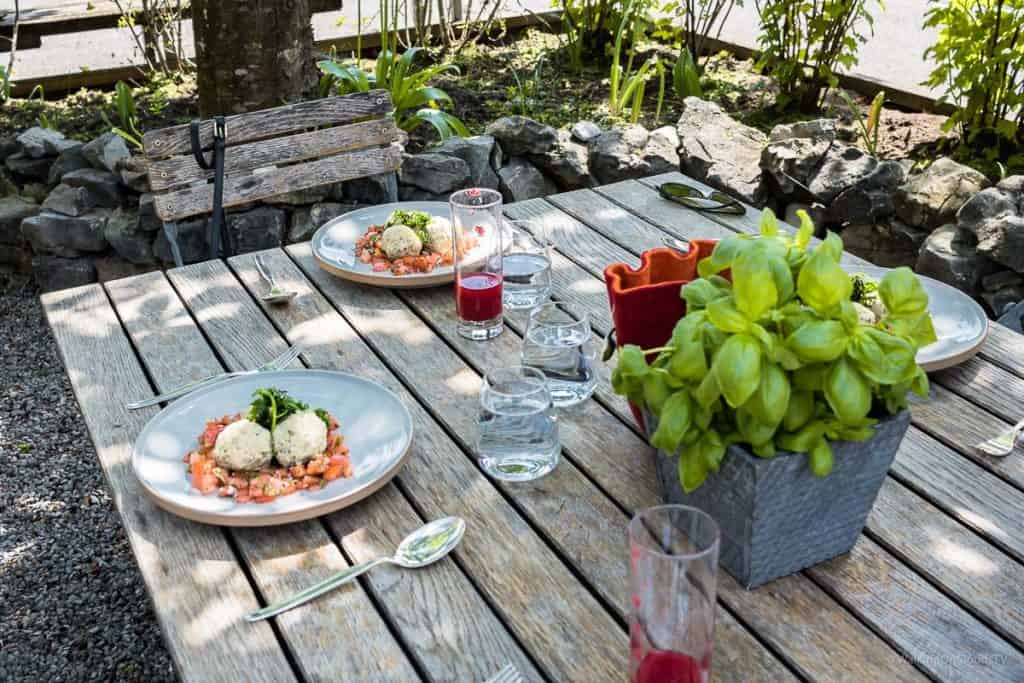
775 516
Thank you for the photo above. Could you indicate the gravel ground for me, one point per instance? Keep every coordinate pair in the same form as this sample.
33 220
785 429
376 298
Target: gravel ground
72 603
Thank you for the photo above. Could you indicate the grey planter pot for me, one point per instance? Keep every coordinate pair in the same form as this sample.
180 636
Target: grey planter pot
775 516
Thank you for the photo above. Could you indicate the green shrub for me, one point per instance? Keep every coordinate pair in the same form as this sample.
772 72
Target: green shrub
778 356
127 116
415 101
805 42
626 86
980 65
692 23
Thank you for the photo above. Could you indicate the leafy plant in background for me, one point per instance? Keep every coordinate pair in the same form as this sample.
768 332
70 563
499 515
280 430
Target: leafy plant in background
50 120
694 22
587 26
980 64
528 91
127 116
414 100
627 87
686 76
805 42
776 357
869 127
5 84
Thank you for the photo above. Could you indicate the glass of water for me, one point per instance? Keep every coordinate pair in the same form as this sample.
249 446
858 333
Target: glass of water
558 343
517 436
527 265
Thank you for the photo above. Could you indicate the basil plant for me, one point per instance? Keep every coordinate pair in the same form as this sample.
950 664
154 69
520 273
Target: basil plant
777 357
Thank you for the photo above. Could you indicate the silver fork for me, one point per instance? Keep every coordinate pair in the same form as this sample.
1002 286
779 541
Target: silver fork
508 674
1004 443
277 363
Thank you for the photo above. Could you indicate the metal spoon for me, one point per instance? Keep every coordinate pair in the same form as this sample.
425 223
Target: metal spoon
426 545
677 244
276 295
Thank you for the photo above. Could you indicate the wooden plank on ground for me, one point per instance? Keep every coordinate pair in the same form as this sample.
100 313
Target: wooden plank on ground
439 613
282 560
198 199
538 597
179 170
199 591
268 123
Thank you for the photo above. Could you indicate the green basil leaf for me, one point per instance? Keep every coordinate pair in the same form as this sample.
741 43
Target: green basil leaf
801 441
656 390
737 366
805 232
632 361
819 341
723 314
847 315
858 433
832 245
724 254
919 384
902 293
700 292
820 458
799 411
782 276
900 364
810 377
769 223
822 282
693 469
753 430
768 404
688 362
753 286
712 449
707 391
865 352
764 450
848 392
918 329
673 422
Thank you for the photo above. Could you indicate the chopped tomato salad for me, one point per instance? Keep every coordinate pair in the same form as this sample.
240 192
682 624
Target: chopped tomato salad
267 483
370 251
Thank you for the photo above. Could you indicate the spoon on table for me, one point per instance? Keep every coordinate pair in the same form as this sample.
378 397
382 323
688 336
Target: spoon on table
426 545
276 295
677 244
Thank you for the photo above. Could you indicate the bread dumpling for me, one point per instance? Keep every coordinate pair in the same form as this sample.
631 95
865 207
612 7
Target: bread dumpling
440 231
243 445
300 437
400 240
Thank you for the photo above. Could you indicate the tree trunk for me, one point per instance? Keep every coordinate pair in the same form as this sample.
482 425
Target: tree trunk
252 54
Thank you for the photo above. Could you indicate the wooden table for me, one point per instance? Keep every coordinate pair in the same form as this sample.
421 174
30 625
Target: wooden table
934 589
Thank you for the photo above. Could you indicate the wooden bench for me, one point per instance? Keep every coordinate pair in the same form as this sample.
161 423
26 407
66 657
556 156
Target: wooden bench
273 152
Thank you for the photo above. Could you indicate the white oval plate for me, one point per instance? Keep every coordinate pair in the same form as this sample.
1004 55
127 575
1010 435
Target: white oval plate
960 322
375 423
335 242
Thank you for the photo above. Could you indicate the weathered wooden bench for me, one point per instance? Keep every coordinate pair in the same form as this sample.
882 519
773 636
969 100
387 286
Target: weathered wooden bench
273 152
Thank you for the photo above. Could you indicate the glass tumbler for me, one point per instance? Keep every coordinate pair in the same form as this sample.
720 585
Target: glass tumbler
476 238
673 572
558 343
527 265
517 433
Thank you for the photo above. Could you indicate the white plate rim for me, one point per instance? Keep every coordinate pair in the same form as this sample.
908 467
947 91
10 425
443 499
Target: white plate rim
302 512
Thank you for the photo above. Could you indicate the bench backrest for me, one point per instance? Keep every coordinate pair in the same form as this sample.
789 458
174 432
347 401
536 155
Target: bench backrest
274 151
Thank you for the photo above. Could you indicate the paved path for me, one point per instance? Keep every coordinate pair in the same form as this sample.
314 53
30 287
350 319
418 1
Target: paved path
893 57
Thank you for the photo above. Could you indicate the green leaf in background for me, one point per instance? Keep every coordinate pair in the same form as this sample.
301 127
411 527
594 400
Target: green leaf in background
673 422
737 367
686 77
902 293
847 392
818 342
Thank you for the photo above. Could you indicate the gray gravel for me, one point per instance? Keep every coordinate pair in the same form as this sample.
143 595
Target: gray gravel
72 603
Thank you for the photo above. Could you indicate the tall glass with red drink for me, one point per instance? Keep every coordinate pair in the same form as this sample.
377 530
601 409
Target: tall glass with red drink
673 572
477 245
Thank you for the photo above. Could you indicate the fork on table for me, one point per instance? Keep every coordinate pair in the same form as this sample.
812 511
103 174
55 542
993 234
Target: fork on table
1003 444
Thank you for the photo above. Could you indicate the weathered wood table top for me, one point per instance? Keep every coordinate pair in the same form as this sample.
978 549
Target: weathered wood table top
934 589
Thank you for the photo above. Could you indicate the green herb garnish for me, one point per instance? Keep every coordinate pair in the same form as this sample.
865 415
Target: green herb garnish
864 290
323 415
417 220
271 406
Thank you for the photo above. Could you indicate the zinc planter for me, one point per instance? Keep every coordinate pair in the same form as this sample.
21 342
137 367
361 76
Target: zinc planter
775 516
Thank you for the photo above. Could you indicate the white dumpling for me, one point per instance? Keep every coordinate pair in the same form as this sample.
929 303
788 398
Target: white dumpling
440 231
400 240
300 437
243 445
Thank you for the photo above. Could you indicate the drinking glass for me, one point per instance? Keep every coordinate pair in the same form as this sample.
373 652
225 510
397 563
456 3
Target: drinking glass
673 571
476 240
517 438
527 265
558 343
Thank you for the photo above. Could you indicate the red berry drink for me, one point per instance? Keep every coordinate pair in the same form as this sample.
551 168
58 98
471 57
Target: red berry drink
477 239
478 297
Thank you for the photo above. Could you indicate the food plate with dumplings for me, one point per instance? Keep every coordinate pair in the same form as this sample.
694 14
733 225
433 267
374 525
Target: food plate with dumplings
273 447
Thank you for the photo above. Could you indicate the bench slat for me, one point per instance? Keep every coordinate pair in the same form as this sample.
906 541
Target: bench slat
178 170
192 201
269 123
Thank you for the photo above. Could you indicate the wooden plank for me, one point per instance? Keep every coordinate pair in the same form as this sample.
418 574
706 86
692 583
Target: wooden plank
970 494
562 503
987 385
989 582
505 559
198 590
439 613
646 203
282 560
749 222
1005 348
178 170
269 123
196 200
928 628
